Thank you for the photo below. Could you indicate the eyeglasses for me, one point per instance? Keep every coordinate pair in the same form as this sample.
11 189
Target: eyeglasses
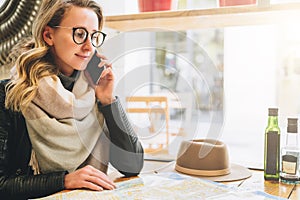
80 35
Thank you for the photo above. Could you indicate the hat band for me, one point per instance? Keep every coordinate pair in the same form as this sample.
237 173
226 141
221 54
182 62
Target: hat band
202 172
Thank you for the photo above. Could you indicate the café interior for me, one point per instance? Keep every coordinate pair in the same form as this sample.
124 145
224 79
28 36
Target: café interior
201 70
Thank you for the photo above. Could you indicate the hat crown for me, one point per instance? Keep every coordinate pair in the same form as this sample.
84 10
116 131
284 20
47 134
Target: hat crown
204 157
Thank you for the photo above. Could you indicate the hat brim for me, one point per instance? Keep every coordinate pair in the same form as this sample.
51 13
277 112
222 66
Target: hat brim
237 172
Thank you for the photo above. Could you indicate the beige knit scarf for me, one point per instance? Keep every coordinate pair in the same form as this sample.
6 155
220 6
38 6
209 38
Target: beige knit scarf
63 126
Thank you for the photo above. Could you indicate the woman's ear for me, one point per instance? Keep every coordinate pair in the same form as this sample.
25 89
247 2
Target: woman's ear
48 35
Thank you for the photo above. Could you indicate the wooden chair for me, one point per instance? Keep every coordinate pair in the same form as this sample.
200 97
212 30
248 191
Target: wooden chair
154 109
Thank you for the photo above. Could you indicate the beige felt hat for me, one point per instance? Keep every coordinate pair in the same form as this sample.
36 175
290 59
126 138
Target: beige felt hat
208 159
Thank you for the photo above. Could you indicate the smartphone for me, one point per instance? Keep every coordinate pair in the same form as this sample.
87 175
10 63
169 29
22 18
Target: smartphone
93 69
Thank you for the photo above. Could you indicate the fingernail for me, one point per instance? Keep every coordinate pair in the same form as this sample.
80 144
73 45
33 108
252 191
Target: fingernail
113 187
100 188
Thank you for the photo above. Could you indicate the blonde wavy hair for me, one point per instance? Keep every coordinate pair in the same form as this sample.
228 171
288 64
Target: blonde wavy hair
36 61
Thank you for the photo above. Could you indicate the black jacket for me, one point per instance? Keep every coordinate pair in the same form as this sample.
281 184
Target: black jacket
16 177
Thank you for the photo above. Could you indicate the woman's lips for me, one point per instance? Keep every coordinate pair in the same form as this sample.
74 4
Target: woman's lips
83 56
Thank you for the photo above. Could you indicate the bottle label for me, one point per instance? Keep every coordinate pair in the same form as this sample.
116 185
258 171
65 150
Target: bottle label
289 164
272 153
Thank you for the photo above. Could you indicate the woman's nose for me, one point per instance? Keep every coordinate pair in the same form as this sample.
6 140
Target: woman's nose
88 44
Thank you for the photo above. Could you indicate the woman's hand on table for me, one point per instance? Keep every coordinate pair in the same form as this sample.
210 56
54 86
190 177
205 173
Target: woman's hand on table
90 178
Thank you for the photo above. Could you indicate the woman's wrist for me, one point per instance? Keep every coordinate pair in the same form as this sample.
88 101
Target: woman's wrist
107 101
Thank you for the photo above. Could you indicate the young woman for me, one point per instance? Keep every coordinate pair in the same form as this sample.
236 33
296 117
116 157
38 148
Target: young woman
53 120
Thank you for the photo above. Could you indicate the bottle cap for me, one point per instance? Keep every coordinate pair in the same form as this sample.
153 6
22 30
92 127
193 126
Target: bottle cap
292 125
273 111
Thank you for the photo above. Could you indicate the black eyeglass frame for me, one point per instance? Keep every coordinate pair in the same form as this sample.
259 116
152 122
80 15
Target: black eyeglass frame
87 34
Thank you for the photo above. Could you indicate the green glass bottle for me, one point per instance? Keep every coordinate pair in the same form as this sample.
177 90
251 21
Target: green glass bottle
272 147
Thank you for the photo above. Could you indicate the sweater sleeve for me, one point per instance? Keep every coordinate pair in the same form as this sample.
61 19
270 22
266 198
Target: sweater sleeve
126 151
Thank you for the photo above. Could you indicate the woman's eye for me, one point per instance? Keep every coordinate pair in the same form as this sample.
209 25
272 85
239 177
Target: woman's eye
80 34
95 38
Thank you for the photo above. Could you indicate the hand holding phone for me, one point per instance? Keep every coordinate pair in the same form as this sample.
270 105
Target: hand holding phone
104 88
93 69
